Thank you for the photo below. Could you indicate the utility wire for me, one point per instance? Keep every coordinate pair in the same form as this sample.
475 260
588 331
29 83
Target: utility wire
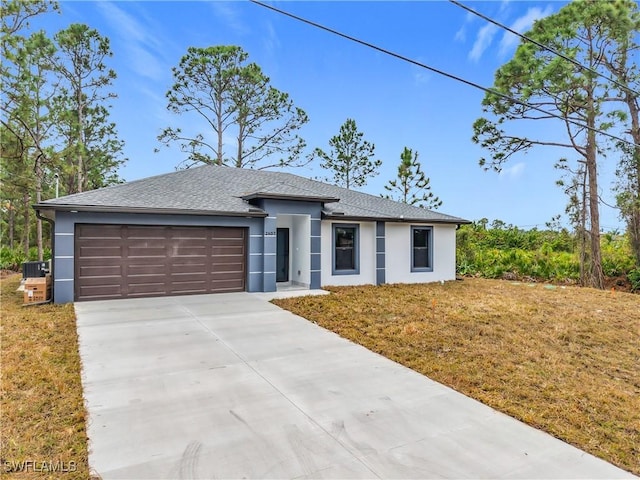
543 46
439 72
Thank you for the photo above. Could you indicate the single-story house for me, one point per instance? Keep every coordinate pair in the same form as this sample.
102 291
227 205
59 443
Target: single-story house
220 229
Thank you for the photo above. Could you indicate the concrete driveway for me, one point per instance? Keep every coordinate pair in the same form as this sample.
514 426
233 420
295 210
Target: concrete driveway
231 386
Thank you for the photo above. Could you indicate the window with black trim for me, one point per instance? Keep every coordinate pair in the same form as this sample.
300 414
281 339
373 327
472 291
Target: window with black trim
345 249
421 249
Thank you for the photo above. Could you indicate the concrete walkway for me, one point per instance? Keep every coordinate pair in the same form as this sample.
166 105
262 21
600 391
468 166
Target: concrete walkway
230 386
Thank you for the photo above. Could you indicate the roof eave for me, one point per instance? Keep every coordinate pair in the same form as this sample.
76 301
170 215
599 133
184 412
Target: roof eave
278 196
354 218
167 211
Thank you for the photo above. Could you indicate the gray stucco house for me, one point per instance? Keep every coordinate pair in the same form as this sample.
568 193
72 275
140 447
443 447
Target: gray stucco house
220 229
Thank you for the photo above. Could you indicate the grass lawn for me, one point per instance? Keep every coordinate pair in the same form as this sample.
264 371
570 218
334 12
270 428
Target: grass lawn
564 360
42 418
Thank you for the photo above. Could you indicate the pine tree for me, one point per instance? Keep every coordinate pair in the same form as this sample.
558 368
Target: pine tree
412 186
350 158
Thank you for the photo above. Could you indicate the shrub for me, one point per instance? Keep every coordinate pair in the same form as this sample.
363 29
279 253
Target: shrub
634 279
546 255
13 258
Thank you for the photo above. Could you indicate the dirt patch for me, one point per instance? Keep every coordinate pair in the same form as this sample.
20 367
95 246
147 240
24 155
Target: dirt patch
7 273
621 284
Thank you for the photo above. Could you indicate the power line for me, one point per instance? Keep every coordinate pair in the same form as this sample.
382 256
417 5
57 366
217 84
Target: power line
440 72
543 46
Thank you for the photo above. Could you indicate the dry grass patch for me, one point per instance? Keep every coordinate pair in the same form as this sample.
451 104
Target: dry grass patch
564 360
43 416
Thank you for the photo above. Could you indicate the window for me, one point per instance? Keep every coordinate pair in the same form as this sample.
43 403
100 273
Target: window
421 249
345 249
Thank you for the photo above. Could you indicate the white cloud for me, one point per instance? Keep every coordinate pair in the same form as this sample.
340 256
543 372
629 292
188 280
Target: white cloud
143 47
520 25
483 41
271 40
461 34
504 5
228 12
513 172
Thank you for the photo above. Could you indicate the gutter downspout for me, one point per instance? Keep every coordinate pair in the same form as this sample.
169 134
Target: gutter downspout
53 250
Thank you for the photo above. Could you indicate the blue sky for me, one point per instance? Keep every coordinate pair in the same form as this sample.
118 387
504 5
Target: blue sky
395 104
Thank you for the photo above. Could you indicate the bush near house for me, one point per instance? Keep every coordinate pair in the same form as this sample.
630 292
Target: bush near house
13 258
504 251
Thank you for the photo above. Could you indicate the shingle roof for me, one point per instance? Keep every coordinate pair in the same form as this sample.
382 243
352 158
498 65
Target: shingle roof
224 191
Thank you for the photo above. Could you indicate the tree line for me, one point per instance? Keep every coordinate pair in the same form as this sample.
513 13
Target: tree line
57 138
233 97
55 129
577 67
499 250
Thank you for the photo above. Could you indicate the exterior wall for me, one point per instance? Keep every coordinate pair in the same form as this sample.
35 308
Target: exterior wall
299 247
301 251
366 250
275 208
63 261
384 249
381 274
286 221
398 254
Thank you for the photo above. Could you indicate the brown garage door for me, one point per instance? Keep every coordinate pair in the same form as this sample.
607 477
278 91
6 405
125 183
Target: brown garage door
124 261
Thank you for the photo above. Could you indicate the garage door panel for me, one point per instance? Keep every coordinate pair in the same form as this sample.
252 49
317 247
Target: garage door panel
101 261
147 277
225 259
102 231
194 261
104 251
196 275
146 261
146 289
142 232
189 240
101 271
107 280
153 252
151 269
228 250
227 286
188 269
186 233
190 286
189 252
119 261
105 292
220 276
221 233
228 267
227 242
144 241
